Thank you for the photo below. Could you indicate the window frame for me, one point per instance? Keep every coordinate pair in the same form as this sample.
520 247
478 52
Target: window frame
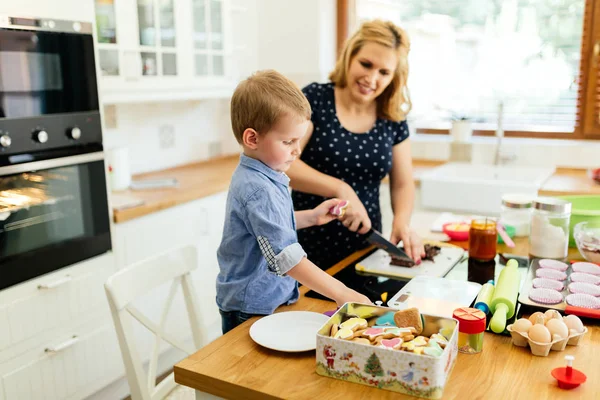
587 125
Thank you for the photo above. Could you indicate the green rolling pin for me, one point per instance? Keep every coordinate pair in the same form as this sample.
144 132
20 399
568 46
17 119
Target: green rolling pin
505 296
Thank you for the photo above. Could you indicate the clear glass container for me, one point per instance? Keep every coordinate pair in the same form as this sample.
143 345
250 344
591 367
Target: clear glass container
549 236
516 212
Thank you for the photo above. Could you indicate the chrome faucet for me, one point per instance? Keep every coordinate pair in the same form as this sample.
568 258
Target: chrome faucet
499 133
498 158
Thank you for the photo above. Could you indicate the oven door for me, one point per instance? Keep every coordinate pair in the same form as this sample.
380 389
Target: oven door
53 213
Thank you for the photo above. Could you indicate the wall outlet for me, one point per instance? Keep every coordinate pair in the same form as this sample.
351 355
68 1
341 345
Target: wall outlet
166 136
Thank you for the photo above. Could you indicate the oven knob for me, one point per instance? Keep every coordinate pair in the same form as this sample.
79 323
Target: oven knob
5 141
40 136
75 133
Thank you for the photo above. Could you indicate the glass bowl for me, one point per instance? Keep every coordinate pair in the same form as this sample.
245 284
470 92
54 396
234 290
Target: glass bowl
587 238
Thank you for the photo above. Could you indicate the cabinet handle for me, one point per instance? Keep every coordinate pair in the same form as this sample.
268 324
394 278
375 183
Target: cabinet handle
64 345
56 283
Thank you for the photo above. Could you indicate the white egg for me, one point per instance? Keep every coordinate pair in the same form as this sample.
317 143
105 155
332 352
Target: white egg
550 314
573 323
537 318
539 333
522 325
558 327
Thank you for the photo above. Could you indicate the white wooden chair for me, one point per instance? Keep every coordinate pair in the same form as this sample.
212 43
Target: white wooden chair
134 281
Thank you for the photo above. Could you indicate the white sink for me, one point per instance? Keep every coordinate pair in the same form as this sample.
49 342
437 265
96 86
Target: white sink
474 188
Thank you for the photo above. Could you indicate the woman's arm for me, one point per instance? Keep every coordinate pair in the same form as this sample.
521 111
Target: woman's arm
402 192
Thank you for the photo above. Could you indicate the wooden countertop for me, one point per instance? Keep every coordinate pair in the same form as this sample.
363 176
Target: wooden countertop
234 366
210 177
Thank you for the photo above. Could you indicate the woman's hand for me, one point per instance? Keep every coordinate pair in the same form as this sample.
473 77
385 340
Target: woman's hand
413 246
355 218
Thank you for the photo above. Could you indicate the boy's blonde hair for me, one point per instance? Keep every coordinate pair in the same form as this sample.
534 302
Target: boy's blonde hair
262 99
395 96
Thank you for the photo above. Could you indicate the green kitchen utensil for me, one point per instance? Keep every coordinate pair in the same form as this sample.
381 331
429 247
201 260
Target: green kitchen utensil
504 300
484 298
584 208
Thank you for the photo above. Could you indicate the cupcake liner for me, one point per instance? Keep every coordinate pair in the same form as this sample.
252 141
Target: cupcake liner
583 277
550 274
547 284
553 264
545 296
585 288
586 267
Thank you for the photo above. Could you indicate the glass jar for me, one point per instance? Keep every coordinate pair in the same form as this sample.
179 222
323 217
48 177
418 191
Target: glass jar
471 326
483 237
549 236
516 212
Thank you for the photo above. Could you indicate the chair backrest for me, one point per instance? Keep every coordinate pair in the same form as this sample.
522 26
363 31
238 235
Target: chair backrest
136 280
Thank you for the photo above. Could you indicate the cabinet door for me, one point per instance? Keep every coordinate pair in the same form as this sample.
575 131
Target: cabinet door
106 36
209 37
52 301
71 366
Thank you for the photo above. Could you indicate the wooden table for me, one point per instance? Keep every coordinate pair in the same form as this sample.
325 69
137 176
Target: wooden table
234 366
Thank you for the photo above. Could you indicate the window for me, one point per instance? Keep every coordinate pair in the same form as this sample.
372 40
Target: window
468 57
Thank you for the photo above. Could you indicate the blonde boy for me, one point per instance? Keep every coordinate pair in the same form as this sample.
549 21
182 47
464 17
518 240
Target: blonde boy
260 259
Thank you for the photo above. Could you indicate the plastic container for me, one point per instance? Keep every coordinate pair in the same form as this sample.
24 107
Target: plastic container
549 236
516 212
471 327
483 237
584 208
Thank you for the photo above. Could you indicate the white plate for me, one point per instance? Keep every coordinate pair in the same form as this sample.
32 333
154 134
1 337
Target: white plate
290 331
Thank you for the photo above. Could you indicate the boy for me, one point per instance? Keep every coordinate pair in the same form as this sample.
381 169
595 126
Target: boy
260 259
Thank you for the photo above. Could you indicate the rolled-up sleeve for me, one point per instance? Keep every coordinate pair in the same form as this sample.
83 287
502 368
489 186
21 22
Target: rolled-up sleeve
274 232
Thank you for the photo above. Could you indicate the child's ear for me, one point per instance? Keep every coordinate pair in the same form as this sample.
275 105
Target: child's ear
250 138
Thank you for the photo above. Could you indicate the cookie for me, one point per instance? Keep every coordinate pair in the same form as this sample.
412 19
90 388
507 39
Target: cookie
345 334
409 317
340 209
433 349
398 332
394 343
386 319
334 330
354 324
361 341
439 339
373 333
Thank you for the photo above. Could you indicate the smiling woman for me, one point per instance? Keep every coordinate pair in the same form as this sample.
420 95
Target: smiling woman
358 135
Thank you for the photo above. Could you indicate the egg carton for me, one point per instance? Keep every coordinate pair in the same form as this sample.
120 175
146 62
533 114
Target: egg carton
543 349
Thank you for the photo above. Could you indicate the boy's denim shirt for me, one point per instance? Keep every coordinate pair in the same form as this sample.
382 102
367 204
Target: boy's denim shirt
259 244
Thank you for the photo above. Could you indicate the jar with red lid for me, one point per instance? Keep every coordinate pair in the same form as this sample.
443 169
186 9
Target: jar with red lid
471 326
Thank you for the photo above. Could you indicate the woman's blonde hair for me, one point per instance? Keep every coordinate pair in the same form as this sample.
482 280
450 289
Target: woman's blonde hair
394 103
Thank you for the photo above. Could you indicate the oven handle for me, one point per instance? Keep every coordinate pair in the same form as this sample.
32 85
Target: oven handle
56 283
53 163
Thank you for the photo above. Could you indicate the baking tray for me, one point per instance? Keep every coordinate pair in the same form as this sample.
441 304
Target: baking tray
562 306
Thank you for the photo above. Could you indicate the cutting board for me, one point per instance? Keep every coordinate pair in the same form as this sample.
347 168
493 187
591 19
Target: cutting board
378 263
435 296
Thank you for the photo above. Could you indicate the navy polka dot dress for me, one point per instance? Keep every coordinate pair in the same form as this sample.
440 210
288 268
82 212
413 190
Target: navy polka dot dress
360 159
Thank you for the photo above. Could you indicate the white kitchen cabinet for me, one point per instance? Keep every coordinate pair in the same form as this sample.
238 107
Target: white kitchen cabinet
34 309
69 366
157 50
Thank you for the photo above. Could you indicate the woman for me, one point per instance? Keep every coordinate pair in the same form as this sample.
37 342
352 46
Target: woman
358 134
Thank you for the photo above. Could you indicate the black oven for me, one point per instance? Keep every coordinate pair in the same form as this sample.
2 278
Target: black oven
53 198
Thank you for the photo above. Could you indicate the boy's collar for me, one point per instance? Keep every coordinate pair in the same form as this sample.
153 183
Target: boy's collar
259 166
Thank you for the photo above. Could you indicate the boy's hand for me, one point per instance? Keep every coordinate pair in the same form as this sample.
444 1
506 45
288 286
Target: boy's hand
322 214
350 295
